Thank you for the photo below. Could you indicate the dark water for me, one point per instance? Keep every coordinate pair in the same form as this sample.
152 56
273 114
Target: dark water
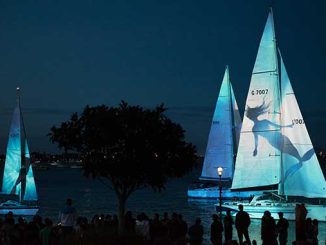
93 197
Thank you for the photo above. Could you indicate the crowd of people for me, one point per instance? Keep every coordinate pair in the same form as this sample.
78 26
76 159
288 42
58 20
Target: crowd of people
160 230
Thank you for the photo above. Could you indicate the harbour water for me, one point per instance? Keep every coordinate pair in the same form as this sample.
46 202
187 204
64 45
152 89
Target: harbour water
93 197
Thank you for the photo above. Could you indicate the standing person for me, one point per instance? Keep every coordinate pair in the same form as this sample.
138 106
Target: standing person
242 222
300 222
282 229
309 231
268 229
196 233
45 233
67 218
315 232
228 222
216 230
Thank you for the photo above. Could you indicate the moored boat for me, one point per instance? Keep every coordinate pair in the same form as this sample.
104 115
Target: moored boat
221 146
275 153
18 185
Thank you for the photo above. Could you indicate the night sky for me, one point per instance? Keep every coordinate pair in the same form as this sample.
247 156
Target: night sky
66 54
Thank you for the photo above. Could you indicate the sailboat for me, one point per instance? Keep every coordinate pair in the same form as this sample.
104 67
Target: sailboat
275 153
221 147
18 185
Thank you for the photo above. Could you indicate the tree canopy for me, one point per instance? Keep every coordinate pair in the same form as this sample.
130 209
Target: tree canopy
129 147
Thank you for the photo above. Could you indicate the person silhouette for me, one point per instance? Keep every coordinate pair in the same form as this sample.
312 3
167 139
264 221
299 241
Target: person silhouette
228 223
216 230
242 223
268 229
282 229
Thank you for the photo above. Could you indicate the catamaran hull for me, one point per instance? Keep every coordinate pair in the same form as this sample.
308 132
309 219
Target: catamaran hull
213 193
256 212
20 211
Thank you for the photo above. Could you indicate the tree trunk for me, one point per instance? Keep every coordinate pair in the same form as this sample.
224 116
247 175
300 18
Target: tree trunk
121 214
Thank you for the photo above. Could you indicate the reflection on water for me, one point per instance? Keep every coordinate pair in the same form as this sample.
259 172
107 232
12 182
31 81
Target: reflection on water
91 197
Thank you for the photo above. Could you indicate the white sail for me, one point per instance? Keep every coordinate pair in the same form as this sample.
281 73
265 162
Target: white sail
302 175
219 151
258 157
13 156
17 170
236 121
30 189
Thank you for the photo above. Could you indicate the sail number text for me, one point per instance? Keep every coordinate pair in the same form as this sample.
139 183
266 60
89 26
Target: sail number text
297 121
259 91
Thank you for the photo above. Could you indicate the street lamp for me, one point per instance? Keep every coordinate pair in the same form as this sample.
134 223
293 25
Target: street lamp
220 172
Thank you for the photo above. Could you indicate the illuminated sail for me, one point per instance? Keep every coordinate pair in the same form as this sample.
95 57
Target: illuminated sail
30 190
13 156
301 172
236 122
221 139
18 172
258 157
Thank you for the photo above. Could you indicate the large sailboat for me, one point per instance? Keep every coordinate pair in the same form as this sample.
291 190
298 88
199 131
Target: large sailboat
18 185
221 147
275 152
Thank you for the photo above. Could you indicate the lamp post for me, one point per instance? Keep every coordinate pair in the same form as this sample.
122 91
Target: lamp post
220 172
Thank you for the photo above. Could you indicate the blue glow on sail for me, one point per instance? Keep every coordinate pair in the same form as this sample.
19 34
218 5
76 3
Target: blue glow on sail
30 190
13 155
219 151
258 157
302 175
236 121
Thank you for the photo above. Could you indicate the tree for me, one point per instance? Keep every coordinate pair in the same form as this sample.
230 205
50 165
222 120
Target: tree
67 135
128 147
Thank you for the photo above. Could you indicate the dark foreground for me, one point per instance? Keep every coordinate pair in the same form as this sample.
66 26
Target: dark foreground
103 229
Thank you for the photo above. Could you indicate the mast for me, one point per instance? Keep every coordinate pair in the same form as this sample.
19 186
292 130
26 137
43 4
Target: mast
278 86
23 150
21 147
281 184
26 176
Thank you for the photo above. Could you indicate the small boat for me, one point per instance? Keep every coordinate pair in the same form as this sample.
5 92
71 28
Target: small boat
275 204
18 208
275 153
18 185
221 148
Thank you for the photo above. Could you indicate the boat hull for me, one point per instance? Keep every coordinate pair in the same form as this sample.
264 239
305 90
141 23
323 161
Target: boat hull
23 211
256 212
213 193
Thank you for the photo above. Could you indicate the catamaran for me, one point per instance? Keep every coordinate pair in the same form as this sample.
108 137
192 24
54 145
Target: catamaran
18 185
275 153
221 147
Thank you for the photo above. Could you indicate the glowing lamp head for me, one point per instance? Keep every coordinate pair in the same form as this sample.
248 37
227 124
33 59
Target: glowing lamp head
17 89
219 171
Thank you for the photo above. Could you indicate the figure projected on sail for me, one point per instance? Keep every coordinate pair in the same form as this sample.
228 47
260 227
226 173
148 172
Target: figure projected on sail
275 153
258 130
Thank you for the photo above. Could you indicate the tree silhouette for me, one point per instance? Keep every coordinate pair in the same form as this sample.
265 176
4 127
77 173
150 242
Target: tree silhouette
67 135
127 147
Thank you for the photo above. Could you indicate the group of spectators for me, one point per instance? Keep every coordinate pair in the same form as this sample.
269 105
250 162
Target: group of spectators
160 230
